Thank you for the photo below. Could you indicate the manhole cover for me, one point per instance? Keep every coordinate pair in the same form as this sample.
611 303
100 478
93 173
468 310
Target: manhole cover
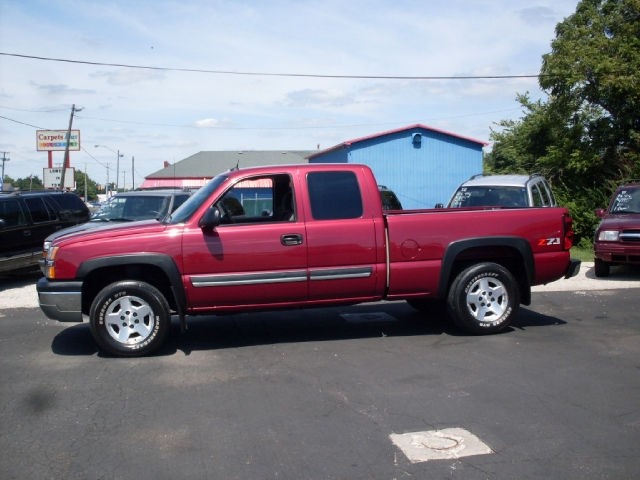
439 444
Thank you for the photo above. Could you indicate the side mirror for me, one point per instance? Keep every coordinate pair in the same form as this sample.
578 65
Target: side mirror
211 219
439 205
600 212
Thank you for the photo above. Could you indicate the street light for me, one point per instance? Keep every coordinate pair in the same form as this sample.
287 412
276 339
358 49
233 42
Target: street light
118 155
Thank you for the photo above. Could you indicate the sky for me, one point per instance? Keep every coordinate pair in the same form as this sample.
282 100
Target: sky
160 80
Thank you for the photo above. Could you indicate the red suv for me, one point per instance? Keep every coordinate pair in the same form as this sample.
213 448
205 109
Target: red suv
617 239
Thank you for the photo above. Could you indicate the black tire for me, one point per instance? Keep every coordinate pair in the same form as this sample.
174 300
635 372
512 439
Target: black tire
601 268
483 299
130 318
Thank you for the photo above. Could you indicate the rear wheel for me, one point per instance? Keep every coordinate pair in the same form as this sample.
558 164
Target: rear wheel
130 318
483 298
601 268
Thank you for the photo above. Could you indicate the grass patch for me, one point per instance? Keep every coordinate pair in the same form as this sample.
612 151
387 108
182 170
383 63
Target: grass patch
583 253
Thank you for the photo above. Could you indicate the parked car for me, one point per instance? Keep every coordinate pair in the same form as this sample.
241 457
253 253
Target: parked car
26 219
617 237
140 205
504 191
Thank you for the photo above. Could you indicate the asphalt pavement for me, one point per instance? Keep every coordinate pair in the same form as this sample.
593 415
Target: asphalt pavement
376 391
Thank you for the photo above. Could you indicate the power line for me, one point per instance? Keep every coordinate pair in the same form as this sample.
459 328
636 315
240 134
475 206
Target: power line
228 127
273 74
21 123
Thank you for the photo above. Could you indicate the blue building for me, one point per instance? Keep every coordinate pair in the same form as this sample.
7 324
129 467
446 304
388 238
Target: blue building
422 165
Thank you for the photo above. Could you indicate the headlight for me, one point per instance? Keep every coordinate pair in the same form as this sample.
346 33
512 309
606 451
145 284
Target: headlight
47 264
608 235
46 249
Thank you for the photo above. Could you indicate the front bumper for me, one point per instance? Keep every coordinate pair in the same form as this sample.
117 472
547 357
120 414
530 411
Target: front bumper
574 268
617 253
60 301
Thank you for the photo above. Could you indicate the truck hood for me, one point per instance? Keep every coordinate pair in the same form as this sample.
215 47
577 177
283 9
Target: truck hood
95 230
620 222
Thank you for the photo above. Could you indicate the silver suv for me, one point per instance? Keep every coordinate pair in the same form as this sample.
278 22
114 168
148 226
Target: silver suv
504 191
140 205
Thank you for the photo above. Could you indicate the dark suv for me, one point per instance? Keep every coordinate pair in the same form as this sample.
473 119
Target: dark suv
26 219
617 238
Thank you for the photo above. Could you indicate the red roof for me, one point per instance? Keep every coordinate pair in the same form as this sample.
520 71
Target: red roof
348 143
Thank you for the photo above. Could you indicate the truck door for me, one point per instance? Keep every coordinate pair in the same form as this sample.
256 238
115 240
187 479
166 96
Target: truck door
257 255
342 243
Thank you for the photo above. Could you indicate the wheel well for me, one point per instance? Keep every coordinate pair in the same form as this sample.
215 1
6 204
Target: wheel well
509 257
99 278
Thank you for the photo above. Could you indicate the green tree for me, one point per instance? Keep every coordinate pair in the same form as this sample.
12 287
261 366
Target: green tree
92 186
586 136
26 184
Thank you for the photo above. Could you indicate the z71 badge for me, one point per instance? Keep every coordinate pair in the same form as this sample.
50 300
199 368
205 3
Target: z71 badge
544 242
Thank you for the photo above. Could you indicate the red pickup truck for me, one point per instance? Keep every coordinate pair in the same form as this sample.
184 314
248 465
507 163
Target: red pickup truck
298 236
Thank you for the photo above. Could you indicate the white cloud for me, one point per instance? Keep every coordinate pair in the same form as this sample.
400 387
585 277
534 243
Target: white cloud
207 123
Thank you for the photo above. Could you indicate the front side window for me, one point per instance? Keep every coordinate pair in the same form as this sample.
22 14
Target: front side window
334 195
259 199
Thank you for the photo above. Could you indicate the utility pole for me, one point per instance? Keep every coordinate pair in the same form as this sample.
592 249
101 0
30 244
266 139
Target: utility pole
133 176
4 159
107 187
66 162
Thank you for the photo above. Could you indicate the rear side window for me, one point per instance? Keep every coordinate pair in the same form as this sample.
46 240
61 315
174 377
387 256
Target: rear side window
39 210
542 197
334 195
549 193
538 201
11 213
68 201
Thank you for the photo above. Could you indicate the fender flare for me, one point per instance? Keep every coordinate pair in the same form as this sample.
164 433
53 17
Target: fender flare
518 244
162 261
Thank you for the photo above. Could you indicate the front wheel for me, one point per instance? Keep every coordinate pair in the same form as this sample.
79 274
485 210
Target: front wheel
483 298
130 318
601 268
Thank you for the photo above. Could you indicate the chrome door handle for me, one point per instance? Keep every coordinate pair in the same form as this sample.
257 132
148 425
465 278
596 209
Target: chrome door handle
291 239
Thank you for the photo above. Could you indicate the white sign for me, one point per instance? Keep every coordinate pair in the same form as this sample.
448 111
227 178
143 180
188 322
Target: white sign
56 140
53 176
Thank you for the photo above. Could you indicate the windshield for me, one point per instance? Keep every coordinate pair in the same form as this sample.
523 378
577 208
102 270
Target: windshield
489 196
132 208
184 212
626 201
